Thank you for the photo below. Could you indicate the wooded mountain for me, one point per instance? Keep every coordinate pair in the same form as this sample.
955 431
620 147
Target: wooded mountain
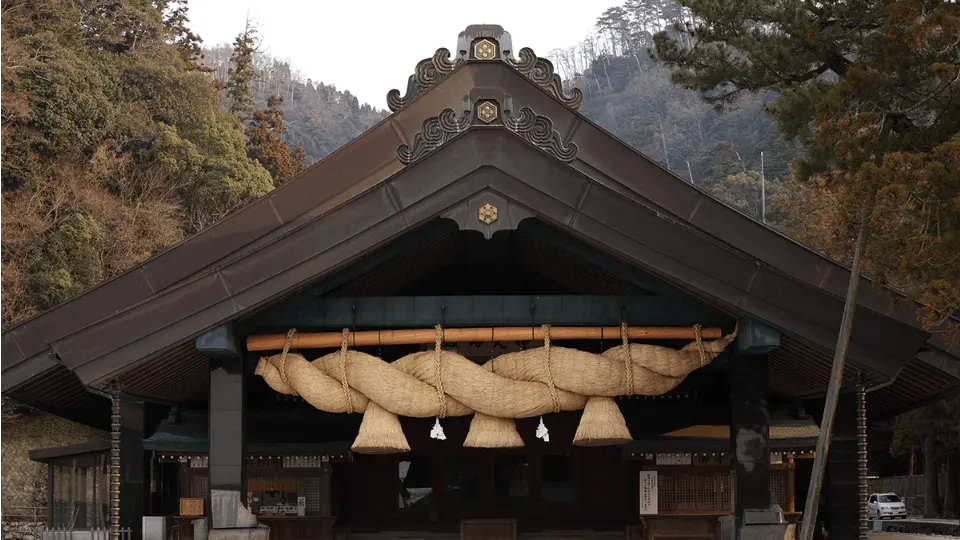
316 116
114 145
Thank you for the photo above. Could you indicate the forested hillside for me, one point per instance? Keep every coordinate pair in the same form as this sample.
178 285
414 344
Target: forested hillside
631 95
317 116
114 144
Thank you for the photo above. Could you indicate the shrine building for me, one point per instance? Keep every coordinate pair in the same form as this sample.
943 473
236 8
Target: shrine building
485 317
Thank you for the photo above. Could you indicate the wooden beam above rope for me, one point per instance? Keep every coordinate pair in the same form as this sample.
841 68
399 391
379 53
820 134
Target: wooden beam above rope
324 340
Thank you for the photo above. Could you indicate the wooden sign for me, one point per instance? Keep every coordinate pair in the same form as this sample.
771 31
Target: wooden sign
674 459
649 506
480 529
191 506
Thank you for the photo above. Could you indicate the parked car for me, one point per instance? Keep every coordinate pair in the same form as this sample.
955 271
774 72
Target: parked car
886 505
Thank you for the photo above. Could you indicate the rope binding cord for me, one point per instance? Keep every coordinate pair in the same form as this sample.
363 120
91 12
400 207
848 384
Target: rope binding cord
627 360
283 355
437 431
697 335
344 341
542 431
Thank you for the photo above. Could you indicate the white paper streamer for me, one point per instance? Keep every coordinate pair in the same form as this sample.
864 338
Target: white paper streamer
542 432
437 431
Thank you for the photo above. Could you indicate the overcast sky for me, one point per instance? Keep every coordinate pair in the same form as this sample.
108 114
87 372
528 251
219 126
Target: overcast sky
372 46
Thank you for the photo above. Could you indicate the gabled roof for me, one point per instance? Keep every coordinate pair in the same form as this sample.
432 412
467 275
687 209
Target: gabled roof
483 128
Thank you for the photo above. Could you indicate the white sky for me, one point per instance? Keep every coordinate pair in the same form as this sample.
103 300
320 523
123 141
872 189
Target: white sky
372 46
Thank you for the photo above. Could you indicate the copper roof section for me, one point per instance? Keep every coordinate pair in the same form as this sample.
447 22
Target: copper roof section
535 156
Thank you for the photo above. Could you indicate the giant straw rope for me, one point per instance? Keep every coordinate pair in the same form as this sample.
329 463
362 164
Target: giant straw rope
521 384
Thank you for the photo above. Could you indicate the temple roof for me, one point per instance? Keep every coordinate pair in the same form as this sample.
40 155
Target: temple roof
480 129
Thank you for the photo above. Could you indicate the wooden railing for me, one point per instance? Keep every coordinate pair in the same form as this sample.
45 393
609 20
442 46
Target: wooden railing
63 533
36 514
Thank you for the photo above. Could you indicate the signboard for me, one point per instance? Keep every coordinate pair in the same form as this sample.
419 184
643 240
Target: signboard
191 506
648 493
674 459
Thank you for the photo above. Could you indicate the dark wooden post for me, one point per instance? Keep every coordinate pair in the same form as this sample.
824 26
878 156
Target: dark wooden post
750 423
791 486
133 466
841 485
50 480
114 466
227 421
862 456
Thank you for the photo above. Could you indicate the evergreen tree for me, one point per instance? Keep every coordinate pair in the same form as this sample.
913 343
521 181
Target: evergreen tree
178 33
112 147
264 143
242 74
871 89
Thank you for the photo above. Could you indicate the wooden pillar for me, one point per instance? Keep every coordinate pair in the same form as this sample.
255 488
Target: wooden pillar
862 457
114 467
132 489
791 486
750 422
840 496
227 424
750 432
50 493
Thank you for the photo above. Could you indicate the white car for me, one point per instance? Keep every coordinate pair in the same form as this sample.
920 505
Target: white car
886 505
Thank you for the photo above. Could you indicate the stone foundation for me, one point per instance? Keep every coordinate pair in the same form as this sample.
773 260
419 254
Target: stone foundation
21 530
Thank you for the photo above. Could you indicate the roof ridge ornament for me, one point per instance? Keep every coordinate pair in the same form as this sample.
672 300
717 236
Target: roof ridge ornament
434 132
538 129
484 43
428 72
541 72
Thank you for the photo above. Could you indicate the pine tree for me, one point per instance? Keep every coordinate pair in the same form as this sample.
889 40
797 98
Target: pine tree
242 74
264 143
177 32
871 88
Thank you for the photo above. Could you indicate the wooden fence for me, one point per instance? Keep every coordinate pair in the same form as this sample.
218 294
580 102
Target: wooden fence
63 533
35 514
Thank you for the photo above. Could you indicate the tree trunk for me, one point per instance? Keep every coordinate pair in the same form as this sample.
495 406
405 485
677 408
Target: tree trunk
931 499
951 501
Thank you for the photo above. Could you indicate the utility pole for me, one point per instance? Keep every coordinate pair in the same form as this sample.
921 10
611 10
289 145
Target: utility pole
811 507
763 192
690 172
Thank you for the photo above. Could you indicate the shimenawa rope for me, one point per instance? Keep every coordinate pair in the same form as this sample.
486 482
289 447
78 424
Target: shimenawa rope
519 384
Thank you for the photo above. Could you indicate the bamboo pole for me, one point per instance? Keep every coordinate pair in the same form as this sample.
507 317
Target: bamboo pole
459 335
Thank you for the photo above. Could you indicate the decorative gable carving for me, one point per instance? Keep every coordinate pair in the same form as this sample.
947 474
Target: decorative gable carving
540 71
538 130
428 72
435 131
